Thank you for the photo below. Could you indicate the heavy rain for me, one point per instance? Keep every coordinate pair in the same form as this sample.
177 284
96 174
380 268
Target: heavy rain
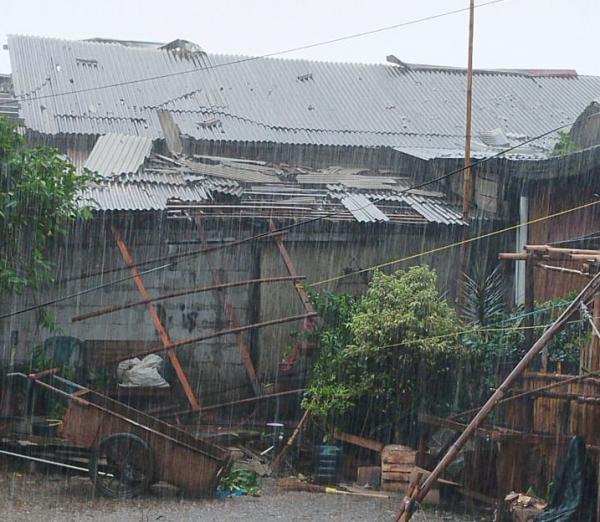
243 283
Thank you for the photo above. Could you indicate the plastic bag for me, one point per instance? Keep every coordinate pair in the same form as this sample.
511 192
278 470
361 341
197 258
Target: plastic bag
574 492
136 372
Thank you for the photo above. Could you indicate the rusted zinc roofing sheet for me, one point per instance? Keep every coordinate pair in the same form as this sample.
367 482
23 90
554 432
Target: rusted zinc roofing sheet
283 101
118 154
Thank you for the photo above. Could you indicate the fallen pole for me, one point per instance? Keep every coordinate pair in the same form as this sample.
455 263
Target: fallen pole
44 461
221 333
230 403
408 503
290 442
197 290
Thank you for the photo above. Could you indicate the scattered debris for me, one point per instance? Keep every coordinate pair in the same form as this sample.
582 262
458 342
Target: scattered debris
294 484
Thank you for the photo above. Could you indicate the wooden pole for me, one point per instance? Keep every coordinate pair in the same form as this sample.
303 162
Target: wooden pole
466 246
290 442
159 327
232 319
588 292
165 415
529 393
300 290
468 125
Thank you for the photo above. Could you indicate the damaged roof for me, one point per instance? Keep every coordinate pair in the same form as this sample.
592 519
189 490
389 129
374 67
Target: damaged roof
132 178
416 109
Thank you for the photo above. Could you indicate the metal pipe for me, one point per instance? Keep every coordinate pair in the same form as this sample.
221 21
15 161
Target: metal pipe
197 290
44 461
171 259
221 333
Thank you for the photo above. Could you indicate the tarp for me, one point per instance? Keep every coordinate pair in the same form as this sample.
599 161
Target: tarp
574 491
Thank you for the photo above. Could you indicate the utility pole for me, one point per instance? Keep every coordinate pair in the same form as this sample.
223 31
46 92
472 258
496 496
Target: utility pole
465 248
467 171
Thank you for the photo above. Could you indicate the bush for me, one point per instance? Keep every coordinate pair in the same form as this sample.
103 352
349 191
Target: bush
386 356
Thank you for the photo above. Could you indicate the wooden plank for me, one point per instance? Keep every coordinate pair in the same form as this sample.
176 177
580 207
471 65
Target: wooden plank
397 476
159 327
197 290
229 331
359 441
408 466
396 454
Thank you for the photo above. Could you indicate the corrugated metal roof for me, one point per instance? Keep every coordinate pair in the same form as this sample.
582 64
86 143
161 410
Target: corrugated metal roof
9 107
364 182
362 209
433 208
284 101
117 195
115 154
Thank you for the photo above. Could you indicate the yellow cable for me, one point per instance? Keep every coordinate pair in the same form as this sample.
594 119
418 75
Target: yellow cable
452 245
466 331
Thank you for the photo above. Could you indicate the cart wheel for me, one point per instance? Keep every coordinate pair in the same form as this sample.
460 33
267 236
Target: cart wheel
122 466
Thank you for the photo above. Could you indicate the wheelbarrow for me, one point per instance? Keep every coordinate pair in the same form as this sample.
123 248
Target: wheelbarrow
131 450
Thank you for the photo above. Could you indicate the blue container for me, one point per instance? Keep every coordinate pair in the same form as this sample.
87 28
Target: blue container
328 461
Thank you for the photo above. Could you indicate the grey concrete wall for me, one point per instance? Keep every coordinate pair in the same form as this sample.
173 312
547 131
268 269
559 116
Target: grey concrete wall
344 249
214 367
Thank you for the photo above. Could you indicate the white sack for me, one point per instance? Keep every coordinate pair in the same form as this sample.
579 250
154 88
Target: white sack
136 372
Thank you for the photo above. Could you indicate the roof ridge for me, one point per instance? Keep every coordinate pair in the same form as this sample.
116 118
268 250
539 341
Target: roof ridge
155 47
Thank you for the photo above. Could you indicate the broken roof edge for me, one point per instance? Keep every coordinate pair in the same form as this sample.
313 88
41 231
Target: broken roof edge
148 46
528 72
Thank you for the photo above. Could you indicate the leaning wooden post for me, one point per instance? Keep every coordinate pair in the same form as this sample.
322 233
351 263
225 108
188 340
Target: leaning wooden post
290 442
158 326
409 501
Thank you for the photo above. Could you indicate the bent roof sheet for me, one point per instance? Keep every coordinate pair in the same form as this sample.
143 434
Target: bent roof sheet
277 100
118 154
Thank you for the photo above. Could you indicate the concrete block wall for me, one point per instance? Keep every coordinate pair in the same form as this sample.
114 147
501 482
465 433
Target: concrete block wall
214 367
345 249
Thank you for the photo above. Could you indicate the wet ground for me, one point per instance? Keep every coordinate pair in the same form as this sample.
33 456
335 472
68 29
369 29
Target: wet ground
26 497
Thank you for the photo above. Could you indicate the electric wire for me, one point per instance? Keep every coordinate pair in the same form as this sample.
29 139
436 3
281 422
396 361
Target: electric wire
318 218
454 244
458 170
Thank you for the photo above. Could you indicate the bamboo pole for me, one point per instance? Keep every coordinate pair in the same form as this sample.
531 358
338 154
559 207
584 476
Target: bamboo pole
562 269
513 256
588 291
558 250
197 290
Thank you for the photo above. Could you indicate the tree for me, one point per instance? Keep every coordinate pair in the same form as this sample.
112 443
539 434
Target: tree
40 195
389 358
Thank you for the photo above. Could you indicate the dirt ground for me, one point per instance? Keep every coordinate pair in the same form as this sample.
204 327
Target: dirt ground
26 497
